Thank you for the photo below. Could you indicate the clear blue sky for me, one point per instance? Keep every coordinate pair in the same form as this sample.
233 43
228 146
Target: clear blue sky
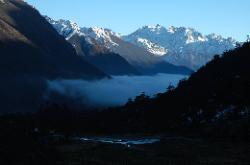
225 17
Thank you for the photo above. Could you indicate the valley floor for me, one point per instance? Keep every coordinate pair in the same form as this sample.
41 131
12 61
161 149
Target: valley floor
168 151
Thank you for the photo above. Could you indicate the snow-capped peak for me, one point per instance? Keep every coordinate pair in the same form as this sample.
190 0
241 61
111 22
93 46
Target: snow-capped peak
157 29
184 46
190 35
65 27
68 29
101 35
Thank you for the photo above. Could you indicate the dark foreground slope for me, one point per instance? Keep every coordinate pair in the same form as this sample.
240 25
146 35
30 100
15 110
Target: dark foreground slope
31 52
221 85
215 98
29 45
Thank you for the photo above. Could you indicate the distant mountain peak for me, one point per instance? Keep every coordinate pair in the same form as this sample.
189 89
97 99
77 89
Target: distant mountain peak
68 29
180 45
172 29
157 29
101 35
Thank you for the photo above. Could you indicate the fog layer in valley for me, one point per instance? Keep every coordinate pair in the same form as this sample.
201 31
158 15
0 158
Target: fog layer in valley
112 92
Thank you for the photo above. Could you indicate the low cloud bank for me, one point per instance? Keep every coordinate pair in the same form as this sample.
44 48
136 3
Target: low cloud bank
112 92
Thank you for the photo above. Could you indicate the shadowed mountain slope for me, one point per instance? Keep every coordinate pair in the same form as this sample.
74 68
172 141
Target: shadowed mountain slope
31 52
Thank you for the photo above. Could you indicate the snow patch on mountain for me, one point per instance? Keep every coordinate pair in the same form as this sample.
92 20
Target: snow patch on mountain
150 46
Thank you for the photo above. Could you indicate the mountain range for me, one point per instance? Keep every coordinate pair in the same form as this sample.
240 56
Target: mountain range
95 41
152 45
180 45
